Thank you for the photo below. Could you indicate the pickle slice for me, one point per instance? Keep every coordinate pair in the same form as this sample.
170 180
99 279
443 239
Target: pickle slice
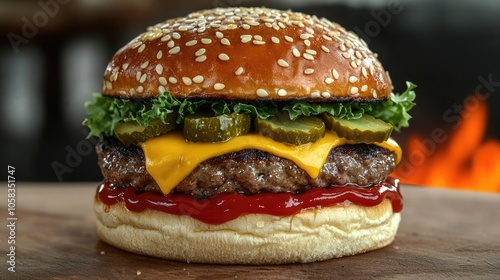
132 133
204 127
300 131
366 129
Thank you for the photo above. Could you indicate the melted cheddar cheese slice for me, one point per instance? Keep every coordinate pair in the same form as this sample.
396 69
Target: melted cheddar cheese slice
170 158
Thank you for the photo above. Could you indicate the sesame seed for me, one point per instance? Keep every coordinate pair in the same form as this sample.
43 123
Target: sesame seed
289 39
313 52
346 55
364 88
140 89
325 49
308 56
113 76
307 43
262 92
309 30
315 94
386 72
138 75
296 52
232 26
187 81
353 64
161 89
170 44
335 74
253 23
245 26
109 86
162 81
201 58
125 66
172 80
282 25
354 90
327 38
358 55
219 35
191 43
159 54
135 44
206 41
342 48
305 36
239 71
258 37
225 41
200 52
275 40
223 57
283 63
174 50
145 64
353 79
268 24
364 72
159 69
308 71
219 86
329 81
246 38
143 78
282 92
198 79
257 42
372 70
326 94
165 38
176 35
374 93
141 48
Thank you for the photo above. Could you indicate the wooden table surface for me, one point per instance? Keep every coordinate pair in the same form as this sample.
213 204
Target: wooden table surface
444 234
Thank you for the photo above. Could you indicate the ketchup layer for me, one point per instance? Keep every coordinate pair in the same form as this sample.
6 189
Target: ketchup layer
225 207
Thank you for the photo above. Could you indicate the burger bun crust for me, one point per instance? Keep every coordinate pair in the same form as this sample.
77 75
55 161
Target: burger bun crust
247 54
312 235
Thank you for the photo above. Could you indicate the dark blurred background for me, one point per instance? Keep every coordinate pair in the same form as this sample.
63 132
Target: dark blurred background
53 54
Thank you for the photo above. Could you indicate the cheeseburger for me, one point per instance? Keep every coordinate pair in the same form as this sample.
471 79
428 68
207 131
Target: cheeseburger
247 136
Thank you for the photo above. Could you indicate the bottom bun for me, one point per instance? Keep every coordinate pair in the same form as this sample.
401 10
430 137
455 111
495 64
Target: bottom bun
312 235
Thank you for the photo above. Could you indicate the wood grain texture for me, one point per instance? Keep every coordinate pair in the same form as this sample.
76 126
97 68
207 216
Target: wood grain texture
444 234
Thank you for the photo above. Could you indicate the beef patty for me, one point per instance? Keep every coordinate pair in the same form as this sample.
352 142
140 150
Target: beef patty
250 171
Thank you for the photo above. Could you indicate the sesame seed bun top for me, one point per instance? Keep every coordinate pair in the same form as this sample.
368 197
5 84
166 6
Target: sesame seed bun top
247 54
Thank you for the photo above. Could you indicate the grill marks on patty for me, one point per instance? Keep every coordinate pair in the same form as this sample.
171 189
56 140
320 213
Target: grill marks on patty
250 171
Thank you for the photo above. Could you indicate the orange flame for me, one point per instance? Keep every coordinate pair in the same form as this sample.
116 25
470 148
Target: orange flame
462 161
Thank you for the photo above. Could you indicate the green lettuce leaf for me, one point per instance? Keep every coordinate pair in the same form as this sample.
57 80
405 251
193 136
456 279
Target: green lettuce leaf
395 109
104 113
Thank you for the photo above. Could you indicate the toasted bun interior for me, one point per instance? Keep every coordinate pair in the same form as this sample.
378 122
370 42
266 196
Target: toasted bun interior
247 54
312 235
